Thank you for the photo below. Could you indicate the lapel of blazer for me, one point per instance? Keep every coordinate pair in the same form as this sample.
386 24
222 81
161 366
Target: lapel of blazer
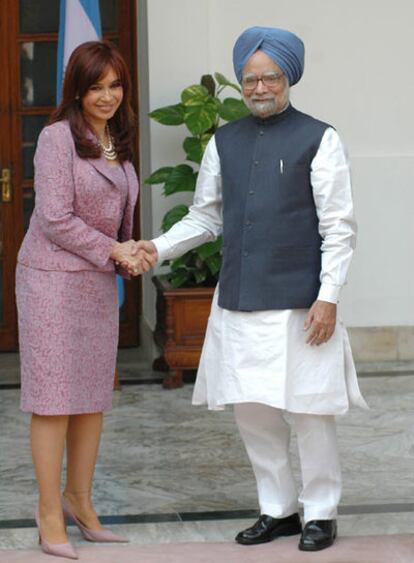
132 182
127 222
102 167
100 163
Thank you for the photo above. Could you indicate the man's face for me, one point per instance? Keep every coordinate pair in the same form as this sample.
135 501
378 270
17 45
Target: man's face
269 95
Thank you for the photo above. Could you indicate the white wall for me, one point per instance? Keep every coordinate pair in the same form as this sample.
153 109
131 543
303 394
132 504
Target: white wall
358 77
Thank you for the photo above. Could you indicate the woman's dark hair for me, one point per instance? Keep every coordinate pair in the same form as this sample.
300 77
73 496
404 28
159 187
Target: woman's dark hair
87 64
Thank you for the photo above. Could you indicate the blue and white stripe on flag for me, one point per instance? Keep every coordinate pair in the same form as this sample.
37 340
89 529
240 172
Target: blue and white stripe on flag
79 21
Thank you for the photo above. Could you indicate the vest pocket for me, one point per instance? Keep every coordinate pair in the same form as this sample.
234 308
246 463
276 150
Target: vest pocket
288 170
295 187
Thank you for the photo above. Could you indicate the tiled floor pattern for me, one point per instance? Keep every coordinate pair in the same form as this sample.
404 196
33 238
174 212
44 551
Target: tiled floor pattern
160 456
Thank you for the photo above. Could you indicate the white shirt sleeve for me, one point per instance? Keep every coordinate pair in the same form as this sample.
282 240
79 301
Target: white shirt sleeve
331 183
203 223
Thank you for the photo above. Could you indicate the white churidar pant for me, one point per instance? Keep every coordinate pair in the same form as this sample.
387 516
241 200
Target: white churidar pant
266 437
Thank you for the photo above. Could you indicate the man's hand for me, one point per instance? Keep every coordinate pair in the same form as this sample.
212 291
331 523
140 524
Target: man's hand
135 257
320 322
143 257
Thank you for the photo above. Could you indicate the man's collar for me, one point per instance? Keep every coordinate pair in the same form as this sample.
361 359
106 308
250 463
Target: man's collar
276 117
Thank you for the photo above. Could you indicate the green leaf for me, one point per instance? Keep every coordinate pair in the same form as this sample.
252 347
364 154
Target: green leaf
179 278
181 262
194 95
199 118
182 179
209 248
231 109
200 276
214 263
159 176
208 82
169 115
223 81
173 216
194 149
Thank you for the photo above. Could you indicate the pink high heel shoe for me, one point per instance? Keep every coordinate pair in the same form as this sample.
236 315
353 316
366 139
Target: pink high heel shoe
103 535
58 549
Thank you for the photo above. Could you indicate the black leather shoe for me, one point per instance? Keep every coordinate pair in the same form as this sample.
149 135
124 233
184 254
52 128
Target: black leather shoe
318 534
267 529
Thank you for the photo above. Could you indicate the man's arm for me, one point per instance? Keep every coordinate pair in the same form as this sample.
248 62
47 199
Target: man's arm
331 183
203 223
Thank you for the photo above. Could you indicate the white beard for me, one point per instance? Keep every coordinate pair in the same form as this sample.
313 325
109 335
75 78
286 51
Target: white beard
263 107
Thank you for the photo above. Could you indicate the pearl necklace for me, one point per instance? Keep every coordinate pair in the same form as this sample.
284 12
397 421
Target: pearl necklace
109 151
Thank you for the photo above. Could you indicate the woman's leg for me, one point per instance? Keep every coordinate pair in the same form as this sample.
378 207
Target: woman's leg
48 435
83 437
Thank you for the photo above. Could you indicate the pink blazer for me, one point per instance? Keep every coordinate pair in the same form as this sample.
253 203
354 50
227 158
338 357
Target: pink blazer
76 219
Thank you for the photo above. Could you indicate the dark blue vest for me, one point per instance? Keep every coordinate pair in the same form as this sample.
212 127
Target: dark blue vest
271 243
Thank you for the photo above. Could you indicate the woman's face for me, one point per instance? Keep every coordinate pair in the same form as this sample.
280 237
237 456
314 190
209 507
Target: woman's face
103 98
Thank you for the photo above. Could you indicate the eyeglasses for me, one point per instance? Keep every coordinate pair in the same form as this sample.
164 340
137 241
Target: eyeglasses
269 79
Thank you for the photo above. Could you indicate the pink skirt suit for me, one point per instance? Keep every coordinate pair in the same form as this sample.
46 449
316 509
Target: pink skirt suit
65 280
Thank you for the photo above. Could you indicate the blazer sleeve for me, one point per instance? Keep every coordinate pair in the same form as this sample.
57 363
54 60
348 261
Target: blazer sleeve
54 186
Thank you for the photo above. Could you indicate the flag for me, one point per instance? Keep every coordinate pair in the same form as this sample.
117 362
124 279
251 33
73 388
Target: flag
79 21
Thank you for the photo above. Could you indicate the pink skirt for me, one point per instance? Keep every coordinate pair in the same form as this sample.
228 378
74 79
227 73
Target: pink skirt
68 335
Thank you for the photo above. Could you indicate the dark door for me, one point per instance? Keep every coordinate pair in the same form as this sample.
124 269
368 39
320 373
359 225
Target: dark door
28 50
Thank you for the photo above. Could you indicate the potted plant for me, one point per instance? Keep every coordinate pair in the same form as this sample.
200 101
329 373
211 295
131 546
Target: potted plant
184 293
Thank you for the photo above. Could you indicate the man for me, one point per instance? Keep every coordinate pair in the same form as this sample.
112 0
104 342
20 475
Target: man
277 185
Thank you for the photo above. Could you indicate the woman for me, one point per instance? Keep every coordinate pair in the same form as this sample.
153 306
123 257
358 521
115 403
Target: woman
86 190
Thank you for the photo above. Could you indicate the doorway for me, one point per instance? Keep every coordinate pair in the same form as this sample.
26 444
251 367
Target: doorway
28 57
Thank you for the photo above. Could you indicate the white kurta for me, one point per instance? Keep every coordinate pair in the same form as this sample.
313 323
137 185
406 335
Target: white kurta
262 356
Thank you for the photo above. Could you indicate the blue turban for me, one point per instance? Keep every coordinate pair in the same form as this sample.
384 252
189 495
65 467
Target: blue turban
283 47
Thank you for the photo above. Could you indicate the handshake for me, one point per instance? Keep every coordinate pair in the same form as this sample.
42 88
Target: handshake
136 257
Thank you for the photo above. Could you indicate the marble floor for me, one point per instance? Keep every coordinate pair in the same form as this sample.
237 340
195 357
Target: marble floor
170 472
367 549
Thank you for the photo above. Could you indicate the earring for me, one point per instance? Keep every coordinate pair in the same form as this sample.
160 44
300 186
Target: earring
76 97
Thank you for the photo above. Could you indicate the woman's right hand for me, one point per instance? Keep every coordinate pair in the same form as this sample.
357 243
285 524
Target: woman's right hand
135 257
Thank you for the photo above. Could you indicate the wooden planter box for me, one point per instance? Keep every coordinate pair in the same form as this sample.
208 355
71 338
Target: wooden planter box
182 316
